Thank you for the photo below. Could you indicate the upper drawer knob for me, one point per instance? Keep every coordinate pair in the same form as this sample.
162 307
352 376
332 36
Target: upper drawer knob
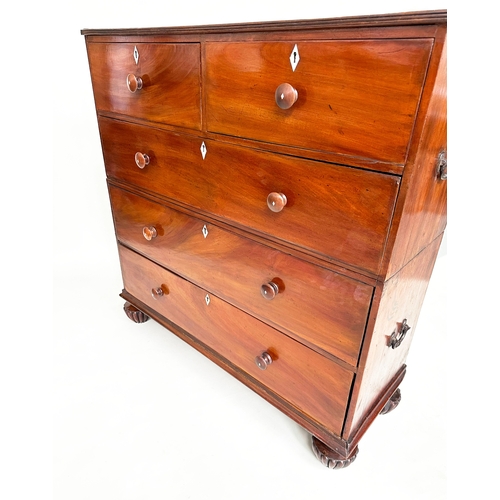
264 360
269 290
141 159
285 96
149 232
134 83
276 202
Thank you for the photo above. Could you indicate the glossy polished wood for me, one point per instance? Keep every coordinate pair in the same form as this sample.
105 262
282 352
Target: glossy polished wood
400 297
170 81
338 212
361 96
285 96
239 338
325 310
276 202
284 28
328 198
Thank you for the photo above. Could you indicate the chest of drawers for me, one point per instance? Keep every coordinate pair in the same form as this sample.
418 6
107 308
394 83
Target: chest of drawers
279 197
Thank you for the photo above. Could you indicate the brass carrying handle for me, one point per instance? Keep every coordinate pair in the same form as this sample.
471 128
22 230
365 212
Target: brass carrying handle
397 337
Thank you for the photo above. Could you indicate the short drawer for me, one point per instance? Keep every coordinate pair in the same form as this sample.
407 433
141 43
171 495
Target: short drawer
353 97
323 308
159 82
339 212
312 383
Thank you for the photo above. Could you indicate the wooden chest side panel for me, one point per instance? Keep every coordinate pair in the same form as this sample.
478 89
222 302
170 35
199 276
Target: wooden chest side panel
400 298
421 211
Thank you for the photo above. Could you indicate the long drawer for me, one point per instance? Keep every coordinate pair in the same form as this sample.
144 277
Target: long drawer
339 212
353 97
159 82
323 308
310 382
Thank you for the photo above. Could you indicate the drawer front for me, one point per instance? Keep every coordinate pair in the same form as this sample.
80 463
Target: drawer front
312 383
170 74
238 270
356 98
339 212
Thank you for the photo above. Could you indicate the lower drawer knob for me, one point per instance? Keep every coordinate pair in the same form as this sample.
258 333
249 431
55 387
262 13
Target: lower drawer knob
269 290
276 202
141 159
156 293
149 232
264 360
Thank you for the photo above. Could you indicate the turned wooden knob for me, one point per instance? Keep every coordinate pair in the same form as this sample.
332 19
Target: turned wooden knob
141 159
269 290
276 202
156 293
149 232
285 96
264 360
134 83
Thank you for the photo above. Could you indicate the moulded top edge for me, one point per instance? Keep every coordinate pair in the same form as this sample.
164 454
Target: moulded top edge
399 19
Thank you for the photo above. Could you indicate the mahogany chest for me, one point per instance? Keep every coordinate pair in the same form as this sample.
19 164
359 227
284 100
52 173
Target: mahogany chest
279 197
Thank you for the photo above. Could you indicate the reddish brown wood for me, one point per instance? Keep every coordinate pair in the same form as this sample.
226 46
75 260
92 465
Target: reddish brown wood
334 211
326 310
361 96
141 160
134 314
269 290
392 403
422 204
231 192
284 27
330 458
170 75
149 232
134 83
301 376
399 298
285 96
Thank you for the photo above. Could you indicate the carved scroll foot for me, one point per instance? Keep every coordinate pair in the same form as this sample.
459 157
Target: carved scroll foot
394 400
134 314
330 458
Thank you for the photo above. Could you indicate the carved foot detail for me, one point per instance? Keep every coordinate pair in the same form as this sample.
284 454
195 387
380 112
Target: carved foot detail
330 458
134 314
394 400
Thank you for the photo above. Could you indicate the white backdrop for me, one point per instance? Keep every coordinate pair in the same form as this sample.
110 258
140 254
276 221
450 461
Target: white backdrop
136 413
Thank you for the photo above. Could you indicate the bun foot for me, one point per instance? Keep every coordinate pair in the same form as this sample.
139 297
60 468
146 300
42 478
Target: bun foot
330 458
134 314
394 400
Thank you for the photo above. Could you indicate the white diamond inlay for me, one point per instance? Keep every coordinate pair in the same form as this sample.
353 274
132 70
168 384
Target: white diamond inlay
136 55
203 150
205 231
294 57
207 299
